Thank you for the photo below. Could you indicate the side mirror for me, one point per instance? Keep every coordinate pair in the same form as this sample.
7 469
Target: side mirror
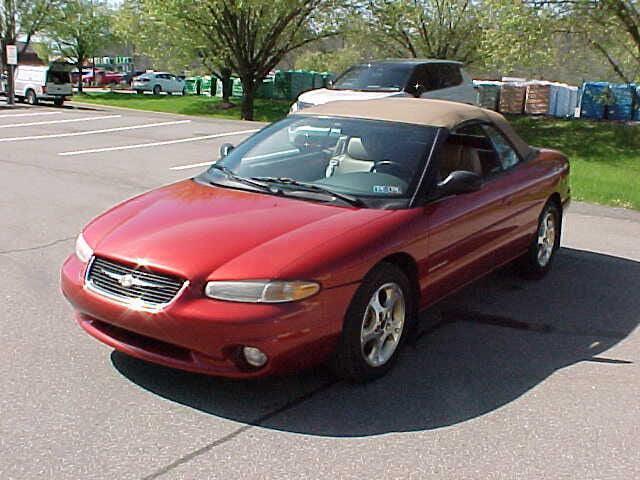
460 181
225 149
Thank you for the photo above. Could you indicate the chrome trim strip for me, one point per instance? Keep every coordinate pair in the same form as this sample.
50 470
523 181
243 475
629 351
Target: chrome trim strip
438 266
427 164
129 303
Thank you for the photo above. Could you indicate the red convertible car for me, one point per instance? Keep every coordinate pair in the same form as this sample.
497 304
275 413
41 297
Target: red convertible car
319 238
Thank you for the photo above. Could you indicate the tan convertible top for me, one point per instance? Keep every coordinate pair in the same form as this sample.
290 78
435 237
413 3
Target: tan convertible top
419 111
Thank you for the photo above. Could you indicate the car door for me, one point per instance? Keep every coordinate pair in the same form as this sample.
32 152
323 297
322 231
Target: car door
170 83
518 180
178 84
158 79
464 230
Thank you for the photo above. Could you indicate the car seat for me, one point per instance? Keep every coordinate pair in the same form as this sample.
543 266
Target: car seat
361 155
455 157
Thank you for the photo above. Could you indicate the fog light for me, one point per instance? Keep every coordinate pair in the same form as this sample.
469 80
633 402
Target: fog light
254 356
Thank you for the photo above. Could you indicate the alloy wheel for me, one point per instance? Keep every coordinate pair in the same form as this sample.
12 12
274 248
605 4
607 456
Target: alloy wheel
382 325
546 238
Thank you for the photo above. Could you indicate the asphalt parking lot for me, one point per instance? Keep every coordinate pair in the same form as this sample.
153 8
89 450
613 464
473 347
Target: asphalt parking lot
514 380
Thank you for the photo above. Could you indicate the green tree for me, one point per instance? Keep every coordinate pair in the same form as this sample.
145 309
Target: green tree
609 27
80 31
444 29
248 36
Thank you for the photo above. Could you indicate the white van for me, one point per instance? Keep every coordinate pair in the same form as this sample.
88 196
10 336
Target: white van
43 82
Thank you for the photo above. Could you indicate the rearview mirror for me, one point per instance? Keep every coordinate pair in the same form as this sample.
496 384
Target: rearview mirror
460 181
225 149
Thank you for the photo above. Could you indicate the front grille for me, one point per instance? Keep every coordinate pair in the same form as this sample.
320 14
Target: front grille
130 285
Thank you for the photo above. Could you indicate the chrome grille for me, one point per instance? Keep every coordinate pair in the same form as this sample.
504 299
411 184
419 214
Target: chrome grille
132 285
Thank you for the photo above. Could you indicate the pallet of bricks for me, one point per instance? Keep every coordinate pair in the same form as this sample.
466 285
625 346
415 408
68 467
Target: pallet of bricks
512 97
550 98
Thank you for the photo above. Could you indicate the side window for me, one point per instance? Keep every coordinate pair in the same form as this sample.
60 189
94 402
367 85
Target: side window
508 156
450 75
423 76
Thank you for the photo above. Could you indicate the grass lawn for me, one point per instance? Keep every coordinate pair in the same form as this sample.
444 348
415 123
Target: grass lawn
265 110
605 156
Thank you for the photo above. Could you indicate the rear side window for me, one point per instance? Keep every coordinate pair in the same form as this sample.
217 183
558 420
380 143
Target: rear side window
434 76
508 156
449 75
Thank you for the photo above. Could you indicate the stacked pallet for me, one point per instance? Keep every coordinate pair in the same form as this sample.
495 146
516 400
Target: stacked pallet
596 96
512 98
623 99
539 98
488 94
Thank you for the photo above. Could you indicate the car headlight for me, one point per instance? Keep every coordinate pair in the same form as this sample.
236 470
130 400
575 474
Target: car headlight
261 291
83 251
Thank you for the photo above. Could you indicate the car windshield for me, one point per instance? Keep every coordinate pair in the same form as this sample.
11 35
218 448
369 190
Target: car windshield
350 156
374 77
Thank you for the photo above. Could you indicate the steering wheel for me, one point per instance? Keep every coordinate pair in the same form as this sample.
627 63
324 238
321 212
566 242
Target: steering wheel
390 167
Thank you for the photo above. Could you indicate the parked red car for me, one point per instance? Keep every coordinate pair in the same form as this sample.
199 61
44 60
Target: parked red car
318 238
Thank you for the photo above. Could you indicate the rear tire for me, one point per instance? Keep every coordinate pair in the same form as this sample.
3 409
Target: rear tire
157 89
31 97
139 92
375 325
537 262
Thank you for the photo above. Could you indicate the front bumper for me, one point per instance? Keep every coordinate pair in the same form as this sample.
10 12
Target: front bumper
202 335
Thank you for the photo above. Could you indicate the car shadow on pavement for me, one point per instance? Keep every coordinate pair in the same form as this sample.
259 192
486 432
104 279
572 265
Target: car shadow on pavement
496 340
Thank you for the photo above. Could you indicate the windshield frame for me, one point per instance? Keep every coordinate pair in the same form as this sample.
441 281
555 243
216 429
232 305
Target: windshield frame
407 200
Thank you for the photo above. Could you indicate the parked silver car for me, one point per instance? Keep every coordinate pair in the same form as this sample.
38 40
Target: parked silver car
158 82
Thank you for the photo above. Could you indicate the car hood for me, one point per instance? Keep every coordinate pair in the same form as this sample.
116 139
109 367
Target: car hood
199 231
324 95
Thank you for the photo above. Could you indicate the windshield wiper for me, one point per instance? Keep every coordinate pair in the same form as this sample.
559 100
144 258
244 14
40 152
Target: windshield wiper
247 181
310 187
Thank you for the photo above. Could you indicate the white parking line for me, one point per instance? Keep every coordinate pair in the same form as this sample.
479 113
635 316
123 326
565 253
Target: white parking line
68 120
158 144
91 132
5 115
193 165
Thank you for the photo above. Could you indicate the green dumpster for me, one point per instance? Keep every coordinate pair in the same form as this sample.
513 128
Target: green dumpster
265 89
237 90
193 85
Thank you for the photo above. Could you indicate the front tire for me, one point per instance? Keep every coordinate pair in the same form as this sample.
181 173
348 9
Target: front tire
538 260
156 90
58 102
375 325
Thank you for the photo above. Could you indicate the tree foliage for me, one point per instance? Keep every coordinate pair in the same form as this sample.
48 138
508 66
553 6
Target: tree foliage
425 28
250 37
79 31
610 27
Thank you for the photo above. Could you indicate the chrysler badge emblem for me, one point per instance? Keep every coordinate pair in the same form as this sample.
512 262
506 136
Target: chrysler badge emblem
126 281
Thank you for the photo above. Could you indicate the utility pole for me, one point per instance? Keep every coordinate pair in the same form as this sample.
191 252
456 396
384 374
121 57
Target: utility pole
11 52
12 61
